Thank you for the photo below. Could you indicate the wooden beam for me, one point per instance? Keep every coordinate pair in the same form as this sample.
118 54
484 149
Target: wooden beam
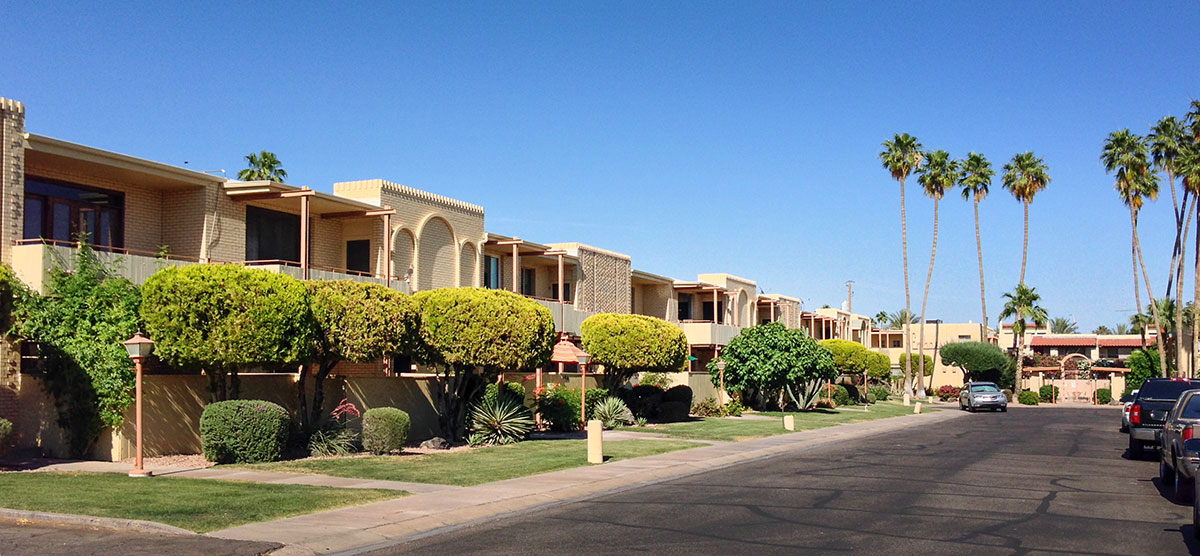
272 195
359 213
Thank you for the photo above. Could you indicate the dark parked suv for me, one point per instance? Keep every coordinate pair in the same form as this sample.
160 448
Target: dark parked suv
1149 411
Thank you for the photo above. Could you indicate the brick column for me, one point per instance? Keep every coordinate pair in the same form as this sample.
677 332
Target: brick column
12 214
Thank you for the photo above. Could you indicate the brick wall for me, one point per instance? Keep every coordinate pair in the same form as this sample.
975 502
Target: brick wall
12 198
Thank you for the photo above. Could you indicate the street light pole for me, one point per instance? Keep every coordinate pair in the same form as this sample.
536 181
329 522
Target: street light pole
139 348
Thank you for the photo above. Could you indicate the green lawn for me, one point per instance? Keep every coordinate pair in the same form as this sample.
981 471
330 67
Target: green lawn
474 467
744 429
199 505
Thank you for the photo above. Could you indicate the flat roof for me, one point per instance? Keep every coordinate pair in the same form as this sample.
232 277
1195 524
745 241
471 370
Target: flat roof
85 160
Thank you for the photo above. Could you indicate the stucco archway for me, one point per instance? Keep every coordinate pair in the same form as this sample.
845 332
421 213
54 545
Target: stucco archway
437 255
468 270
403 246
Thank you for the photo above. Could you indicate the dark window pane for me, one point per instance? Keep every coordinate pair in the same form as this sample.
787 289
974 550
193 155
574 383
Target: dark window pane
61 222
105 235
33 217
272 235
358 255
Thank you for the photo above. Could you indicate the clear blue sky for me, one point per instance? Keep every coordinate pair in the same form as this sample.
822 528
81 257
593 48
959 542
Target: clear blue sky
696 137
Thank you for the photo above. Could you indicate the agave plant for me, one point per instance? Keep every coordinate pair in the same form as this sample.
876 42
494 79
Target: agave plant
805 394
612 412
499 421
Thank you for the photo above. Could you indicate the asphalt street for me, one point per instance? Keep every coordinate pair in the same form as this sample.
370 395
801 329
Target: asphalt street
1030 481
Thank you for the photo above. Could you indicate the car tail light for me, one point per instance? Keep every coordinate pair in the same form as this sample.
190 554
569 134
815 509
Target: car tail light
1135 414
1187 432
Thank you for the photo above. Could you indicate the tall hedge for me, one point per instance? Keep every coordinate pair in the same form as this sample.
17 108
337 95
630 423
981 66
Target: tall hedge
222 317
357 322
630 344
464 329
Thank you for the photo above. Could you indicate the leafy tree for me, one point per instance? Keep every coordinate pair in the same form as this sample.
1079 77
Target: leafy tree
221 318
939 173
879 366
979 361
928 363
463 330
901 156
773 361
263 166
975 179
1022 303
1125 154
1143 364
358 322
629 344
1025 176
1060 325
77 328
849 358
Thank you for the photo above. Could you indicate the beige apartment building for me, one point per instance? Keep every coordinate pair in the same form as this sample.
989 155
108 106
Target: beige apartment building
937 334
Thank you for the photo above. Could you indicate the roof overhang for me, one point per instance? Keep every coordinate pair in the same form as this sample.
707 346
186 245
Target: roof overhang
284 198
89 161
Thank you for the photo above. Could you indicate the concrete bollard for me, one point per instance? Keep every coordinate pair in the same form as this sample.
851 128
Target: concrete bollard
595 441
917 407
789 422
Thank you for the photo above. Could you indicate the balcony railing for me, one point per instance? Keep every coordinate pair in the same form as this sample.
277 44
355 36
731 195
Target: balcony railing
708 332
566 317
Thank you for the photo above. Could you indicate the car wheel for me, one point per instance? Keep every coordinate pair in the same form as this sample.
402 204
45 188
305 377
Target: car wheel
1166 474
1004 409
1135 448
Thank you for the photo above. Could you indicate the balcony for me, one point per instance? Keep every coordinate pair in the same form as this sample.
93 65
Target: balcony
566 317
33 259
704 332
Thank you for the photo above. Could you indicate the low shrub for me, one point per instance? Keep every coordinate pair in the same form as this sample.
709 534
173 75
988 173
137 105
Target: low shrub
243 431
512 390
499 420
385 429
678 394
332 441
824 403
612 413
6 428
706 408
948 392
673 412
1047 393
643 400
855 393
1028 397
559 406
1008 394
661 380
640 421
880 393
838 393
732 408
871 398
1103 396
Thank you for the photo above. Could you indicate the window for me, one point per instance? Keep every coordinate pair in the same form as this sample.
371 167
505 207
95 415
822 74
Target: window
272 235
707 308
491 273
566 291
896 343
964 337
61 211
685 306
358 255
528 285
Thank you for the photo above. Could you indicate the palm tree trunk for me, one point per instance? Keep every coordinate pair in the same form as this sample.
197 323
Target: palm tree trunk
1020 358
982 291
1025 243
1137 287
1158 328
925 298
1175 252
1180 349
907 300
1196 293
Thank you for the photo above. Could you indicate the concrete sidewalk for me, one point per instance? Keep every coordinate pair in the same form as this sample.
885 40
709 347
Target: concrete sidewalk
372 526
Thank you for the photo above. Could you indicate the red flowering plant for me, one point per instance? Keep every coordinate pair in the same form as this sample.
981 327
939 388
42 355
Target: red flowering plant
336 437
948 392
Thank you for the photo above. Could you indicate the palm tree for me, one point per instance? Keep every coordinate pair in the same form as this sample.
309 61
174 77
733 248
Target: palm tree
1025 176
1060 325
900 318
1126 155
263 166
976 178
1121 328
1102 330
939 173
881 319
1138 323
1021 303
901 156
1168 139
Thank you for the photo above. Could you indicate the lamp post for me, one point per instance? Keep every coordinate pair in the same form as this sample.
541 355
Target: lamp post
582 357
139 348
721 373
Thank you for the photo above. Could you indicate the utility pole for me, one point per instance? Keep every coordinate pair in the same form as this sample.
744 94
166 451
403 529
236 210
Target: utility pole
849 296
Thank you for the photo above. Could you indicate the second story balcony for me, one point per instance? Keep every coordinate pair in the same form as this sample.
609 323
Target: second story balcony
703 332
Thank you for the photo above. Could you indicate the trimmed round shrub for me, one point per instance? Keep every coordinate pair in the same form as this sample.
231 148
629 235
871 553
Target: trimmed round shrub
643 400
672 412
385 429
629 344
1103 396
1028 398
871 398
1047 393
678 394
243 431
559 406
838 393
880 393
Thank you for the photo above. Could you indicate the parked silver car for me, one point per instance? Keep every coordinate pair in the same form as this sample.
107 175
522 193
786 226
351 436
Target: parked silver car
1173 468
982 395
1127 402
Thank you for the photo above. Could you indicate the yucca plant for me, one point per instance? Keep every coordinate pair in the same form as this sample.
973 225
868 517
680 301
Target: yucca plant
612 412
499 420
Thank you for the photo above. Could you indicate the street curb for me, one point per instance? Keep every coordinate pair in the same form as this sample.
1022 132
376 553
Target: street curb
135 525
764 453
